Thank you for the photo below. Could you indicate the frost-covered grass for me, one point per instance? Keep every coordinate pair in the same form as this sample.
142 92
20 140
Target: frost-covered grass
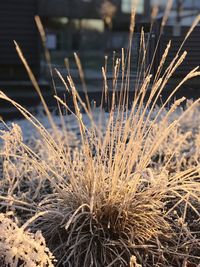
121 191
18 247
109 189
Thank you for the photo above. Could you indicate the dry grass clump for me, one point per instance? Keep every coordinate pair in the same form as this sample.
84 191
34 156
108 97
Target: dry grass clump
115 204
21 178
19 247
114 195
127 195
22 175
181 149
112 201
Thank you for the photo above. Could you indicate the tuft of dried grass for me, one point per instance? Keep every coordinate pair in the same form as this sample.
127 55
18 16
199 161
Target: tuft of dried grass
128 195
116 203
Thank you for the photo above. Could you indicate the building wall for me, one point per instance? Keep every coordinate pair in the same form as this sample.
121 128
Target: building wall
17 23
68 8
191 46
86 9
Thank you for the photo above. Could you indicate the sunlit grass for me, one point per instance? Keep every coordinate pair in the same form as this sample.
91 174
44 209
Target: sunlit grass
127 192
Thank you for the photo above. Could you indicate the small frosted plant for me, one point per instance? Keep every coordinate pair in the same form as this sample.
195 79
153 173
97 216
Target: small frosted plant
22 248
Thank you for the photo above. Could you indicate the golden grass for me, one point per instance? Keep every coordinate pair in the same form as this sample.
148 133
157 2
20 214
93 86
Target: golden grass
127 195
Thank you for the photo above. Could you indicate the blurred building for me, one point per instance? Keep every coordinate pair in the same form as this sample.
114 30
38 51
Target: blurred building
81 25
181 17
17 23
72 22
91 27
70 25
